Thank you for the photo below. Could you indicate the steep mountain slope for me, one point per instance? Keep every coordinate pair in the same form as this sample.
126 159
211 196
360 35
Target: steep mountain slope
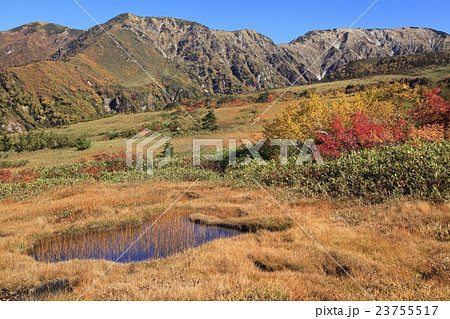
222 62
32 42
226 62
54 75
328 50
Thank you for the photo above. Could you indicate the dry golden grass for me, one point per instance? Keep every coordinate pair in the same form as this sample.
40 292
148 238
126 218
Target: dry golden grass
395 251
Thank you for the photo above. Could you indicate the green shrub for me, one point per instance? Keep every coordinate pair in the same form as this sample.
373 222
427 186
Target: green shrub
33 141
13 164
82 143
416 171
413 170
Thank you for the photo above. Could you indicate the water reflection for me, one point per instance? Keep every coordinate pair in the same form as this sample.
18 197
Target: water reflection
166 237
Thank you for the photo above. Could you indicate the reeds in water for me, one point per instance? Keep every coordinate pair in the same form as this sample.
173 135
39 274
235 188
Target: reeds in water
171 234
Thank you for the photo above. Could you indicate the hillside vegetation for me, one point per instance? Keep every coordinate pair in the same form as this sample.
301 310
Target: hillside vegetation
389 65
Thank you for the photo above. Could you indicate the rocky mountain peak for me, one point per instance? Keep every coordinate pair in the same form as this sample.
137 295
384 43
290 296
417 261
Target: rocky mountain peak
327 50
222 61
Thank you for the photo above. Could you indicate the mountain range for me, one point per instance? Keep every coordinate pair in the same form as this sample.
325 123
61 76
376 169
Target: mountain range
53 75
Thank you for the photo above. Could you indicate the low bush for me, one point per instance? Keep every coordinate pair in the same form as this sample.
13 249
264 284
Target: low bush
362 134
33 141
417 170
13 164
82 143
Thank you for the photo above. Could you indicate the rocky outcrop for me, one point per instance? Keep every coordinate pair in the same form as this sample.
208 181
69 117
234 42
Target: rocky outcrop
325 51
221 61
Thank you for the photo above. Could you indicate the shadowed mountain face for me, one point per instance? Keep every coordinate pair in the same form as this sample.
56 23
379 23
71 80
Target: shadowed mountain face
83 73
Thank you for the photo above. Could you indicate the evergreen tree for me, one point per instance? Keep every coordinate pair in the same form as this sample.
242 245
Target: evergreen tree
209 122
168 150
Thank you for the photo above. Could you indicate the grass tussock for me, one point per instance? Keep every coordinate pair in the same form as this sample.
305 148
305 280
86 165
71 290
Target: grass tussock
245 224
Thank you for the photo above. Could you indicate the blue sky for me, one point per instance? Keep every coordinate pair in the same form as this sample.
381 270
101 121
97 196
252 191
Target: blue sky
281 20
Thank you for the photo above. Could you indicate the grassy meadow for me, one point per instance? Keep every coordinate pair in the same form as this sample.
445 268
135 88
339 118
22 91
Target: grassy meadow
393 240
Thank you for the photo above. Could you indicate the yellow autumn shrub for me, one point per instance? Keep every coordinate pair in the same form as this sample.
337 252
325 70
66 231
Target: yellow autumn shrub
301 121
384 105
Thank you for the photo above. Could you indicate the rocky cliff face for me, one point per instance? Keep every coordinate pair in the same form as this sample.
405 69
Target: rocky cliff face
328 50
227 62
221 61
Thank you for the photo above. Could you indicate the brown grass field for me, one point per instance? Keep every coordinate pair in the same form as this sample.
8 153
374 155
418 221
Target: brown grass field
396 251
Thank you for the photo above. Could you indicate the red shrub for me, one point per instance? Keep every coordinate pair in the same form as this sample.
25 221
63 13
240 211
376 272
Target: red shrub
81 160
433 110
24 176
27 175
94 171
362 134
104 156
5 176
112 162
329 145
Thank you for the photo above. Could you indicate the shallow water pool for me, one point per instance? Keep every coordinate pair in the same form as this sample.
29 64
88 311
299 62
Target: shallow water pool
164 238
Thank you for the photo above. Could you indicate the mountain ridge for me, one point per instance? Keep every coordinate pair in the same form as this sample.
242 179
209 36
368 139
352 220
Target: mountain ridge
69 75
32 42
128 14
